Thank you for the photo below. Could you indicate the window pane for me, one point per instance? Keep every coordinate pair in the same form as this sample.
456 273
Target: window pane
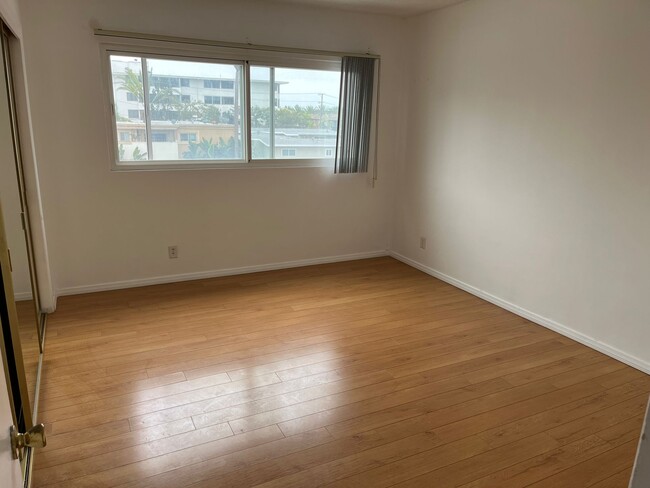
260 112
196 110
174 108
177 105
301 111
128 97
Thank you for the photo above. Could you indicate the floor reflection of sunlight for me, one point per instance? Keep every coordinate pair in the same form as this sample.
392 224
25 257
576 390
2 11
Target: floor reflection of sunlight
299 379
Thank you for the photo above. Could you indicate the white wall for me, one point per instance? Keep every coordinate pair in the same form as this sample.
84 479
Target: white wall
10 13
10 200
106 227
528 164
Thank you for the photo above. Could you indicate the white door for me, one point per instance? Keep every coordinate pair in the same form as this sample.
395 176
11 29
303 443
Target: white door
10 469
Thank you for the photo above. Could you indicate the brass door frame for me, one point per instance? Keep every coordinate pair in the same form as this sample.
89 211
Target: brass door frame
12 352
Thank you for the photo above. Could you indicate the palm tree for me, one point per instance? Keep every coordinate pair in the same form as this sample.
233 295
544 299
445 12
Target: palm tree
131 82
164 101
206 149
139 155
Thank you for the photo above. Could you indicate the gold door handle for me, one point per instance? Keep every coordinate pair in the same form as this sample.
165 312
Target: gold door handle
34 437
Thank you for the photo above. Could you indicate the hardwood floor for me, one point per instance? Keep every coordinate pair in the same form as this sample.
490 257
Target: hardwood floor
366 373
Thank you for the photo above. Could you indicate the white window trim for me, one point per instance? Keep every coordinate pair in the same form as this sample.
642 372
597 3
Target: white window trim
160 49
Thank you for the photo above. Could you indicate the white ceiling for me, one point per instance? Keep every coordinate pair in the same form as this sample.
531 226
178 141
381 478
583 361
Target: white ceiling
402 8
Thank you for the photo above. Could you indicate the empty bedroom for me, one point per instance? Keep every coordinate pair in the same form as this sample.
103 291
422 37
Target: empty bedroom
342 243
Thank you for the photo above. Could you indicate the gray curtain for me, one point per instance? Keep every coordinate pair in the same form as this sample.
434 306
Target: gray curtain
355 115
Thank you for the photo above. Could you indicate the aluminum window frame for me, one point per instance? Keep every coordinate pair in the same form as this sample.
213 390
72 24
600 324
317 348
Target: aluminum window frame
199 53
273 106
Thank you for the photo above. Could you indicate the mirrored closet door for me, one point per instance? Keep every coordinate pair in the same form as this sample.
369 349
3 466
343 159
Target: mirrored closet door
22 322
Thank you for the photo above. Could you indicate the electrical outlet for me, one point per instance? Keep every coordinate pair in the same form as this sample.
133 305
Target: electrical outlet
423 242
173 252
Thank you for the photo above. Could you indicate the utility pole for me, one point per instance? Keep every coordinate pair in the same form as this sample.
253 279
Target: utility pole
322 109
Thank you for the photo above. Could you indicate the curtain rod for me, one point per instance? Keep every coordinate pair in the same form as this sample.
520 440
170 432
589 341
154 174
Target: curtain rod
235 45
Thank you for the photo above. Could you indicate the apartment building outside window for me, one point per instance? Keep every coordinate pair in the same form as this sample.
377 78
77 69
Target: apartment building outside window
199 110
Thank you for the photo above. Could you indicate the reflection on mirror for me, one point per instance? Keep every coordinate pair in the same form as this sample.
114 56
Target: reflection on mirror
12 203
29 340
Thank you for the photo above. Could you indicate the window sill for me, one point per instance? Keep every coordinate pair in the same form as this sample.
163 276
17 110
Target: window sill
257 164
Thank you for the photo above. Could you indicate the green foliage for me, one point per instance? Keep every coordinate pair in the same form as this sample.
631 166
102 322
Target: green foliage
131 82
206 149
297 117
164 101
165 104
138 155
260 117
228 117
210 114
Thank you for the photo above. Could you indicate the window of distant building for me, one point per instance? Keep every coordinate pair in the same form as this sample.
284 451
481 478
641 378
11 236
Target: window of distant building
158 136
188 137
136 114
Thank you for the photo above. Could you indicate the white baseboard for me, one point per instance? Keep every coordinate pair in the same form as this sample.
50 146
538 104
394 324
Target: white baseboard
532 316
25 295
118 285
527 314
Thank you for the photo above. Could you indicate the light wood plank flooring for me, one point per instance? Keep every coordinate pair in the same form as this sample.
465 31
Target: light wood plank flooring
359 374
